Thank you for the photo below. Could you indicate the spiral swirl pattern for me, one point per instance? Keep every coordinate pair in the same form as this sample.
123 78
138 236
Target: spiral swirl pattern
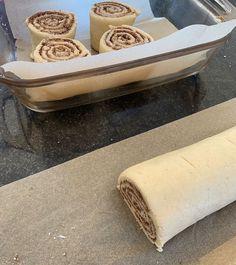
139 208
112 9
53 22
59 49
125 37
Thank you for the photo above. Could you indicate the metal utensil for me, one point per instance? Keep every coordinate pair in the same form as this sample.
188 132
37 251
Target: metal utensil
7 42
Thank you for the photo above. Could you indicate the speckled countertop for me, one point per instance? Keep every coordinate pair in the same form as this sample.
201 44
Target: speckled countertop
31 142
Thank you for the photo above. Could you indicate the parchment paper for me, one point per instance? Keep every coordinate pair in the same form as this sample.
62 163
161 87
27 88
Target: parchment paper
73 214
185 38
188 37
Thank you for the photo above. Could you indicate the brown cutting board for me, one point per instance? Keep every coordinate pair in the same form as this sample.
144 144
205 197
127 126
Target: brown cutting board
73 214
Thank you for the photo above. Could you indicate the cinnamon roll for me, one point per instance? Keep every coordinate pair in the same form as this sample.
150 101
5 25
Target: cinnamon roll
171 192
59 49
123 37
104 14
48 24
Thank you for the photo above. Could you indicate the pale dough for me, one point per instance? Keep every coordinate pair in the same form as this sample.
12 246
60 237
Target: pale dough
100 24
184 186
121 37
37 34
59 49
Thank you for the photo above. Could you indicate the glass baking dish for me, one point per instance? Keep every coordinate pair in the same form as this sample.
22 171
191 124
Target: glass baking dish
100 83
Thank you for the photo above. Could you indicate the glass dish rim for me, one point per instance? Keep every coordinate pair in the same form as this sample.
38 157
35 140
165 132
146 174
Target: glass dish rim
9 78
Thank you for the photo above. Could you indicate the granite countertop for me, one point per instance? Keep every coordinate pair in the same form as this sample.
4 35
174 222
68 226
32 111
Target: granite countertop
31 142
72 214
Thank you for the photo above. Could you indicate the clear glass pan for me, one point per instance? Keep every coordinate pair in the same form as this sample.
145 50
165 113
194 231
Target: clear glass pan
85 87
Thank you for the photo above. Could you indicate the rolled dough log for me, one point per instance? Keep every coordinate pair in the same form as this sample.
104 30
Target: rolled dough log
120 37
173 191
104 14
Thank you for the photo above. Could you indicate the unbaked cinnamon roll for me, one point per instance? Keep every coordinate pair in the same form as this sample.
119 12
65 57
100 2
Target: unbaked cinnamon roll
123 37
48 24
59 49
139 208
104 14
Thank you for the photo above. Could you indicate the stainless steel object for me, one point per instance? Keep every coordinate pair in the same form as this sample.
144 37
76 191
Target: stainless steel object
7 52
7 42
224 5
183 13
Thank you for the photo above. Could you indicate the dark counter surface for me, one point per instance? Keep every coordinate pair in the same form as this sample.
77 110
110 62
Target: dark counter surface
31 142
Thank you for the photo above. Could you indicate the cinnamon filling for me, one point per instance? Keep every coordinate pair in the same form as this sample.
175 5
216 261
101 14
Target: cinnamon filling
53 22
112 9
139 208
125 37
58 49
